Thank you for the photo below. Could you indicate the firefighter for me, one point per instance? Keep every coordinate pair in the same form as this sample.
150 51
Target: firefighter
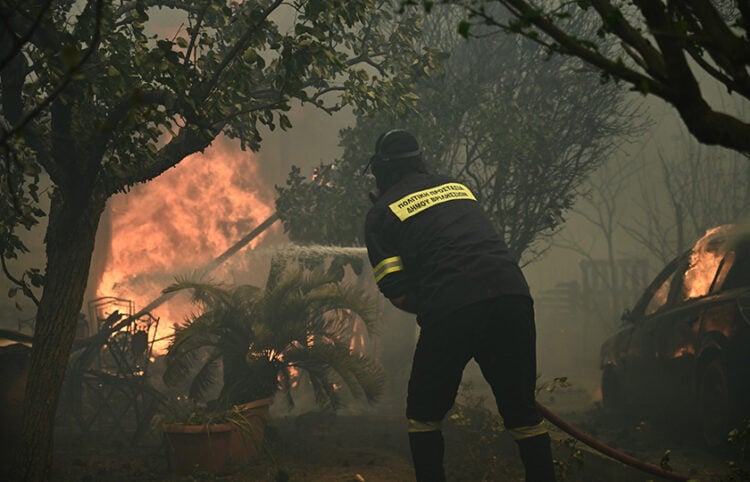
435 253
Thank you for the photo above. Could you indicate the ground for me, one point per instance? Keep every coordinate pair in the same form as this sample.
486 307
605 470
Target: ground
372 447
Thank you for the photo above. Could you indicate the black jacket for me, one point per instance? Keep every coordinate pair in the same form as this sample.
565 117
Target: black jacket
427 234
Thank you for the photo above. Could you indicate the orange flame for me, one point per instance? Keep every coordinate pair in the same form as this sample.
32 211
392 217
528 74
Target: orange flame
704 261
180 221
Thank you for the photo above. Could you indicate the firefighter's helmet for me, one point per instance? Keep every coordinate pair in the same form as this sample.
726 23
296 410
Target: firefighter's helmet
394 145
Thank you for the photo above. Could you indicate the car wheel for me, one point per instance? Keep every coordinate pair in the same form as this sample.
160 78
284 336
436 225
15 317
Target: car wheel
611 390
715 407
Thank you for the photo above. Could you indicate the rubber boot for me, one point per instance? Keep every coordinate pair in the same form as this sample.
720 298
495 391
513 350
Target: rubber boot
536 455
427 450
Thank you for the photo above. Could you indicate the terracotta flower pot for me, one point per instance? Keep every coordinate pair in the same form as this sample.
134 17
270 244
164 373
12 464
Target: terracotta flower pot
248 427
197 447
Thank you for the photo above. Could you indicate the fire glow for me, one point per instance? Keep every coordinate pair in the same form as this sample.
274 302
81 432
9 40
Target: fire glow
178 222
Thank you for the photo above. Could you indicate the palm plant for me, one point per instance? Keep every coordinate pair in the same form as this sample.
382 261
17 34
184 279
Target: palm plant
261 339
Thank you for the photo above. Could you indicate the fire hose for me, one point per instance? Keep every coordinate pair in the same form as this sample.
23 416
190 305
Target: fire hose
605 449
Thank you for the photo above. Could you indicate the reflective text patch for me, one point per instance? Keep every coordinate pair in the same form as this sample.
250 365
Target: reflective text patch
417 202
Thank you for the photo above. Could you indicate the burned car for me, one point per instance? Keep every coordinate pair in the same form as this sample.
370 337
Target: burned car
685 345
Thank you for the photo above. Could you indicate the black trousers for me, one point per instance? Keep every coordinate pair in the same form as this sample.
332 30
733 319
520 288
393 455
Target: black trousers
500 335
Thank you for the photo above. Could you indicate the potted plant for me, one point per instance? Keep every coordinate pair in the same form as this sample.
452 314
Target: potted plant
260 340
196 438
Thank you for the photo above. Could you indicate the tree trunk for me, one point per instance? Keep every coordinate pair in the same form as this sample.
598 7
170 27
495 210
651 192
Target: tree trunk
69 241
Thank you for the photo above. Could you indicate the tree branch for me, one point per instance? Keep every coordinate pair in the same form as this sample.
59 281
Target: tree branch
29 116
189 141
206 89
22 284
25 37
678 86
616 22
573 46
196 32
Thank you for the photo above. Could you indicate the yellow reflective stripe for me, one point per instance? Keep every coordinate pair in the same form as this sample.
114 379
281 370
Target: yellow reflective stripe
417 426
417 202
388 265
519 433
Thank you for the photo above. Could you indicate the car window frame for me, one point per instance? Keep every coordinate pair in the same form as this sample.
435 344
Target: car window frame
741 249
717 284
675 267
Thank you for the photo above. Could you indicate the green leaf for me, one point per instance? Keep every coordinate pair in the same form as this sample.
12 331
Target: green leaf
463 28
70 56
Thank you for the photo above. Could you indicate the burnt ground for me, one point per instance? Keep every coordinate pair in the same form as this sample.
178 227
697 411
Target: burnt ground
373 447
